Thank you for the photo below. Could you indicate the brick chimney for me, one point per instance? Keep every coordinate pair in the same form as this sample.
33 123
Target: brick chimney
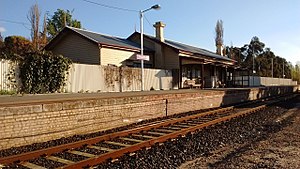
159 29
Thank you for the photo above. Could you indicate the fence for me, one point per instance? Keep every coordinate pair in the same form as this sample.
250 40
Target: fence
6 72
263 81
96 78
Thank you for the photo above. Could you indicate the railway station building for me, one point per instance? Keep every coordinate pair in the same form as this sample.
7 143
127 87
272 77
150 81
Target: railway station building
191 66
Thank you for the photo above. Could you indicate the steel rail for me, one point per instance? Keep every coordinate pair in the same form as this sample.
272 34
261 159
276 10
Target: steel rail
118 153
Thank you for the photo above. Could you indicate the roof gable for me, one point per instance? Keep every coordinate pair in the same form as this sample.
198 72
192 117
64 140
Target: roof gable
101 39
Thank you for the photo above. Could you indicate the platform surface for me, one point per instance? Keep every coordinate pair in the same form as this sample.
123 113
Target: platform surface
38 98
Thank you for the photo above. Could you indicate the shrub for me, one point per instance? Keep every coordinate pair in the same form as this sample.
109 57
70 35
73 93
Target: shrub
43 72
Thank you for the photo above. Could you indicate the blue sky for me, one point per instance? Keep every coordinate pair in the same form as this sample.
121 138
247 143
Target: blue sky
275 22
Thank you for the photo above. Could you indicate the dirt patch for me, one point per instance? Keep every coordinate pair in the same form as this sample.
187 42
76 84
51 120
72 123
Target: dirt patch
277 149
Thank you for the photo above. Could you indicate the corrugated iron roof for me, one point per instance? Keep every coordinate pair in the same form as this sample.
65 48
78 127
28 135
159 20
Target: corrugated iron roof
196 50
107 40
192 49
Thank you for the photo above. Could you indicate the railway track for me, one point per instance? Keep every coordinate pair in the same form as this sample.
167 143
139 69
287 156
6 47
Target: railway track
94 151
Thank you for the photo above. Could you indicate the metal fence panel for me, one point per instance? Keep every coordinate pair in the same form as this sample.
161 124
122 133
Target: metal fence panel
7 70
97 78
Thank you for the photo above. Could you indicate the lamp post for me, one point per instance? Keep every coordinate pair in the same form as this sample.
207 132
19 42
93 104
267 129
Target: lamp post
272 68
156 7
283 70
253 71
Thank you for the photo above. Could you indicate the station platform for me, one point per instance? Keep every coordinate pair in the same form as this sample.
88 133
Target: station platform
29 119
18 99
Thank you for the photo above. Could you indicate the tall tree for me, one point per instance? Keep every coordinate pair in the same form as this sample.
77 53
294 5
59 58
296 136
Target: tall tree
219 36
234 53
254 48
1 46
59 20
296 72
34 19
43 36
265 62
1 37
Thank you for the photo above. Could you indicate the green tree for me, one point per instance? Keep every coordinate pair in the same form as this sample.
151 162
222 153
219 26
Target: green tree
59 20
248 51
2 47
296 72
234 53
1 38
281 67
263 63
1 44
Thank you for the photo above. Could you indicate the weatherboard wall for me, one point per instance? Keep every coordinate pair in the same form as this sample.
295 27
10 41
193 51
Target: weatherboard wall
78 48
115 56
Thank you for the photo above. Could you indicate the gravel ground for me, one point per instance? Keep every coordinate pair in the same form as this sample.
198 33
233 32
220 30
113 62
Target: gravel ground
219 146
278 149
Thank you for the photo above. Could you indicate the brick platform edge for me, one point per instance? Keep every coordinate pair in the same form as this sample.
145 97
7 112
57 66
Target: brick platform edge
39 122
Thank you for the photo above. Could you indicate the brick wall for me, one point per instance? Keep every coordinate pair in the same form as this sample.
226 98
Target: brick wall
31 123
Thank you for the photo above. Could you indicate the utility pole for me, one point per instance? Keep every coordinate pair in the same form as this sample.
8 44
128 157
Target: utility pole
253 55
272 69
283 70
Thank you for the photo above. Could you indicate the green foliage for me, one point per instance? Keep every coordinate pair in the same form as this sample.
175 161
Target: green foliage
15 47
254 48
262 61
296 72
57 22
43 72
6 92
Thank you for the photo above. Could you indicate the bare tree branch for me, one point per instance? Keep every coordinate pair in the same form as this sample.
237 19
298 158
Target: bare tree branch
34 19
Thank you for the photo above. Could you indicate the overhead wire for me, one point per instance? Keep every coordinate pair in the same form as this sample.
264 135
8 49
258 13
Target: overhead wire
16 22
117 8
148 22
111 7
92 2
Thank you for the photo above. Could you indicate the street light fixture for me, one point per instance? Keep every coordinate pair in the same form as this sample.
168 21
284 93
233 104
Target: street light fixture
156 7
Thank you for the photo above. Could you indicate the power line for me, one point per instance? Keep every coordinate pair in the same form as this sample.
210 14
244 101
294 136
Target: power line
111 7
117 8
148 22
16 22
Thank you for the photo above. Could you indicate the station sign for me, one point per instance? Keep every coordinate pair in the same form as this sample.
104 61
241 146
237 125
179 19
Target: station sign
142 57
